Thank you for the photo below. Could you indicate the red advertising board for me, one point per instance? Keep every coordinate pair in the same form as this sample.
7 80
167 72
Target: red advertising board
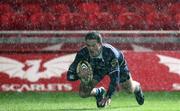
156 71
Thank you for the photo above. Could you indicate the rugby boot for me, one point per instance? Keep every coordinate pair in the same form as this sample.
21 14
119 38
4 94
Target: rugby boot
100 96
139 95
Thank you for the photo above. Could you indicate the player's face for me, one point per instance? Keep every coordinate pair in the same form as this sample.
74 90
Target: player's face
94 47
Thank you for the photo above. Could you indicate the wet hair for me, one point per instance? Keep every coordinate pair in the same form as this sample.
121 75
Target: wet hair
94 36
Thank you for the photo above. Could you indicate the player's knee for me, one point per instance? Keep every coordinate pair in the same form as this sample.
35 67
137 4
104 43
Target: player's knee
127 87
128 90
83 94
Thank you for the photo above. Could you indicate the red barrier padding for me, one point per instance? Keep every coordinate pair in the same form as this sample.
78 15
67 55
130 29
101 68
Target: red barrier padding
156 71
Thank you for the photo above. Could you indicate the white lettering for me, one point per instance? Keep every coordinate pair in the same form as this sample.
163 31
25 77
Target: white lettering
176 86
24 87
5 87
53 87
67 87
36 87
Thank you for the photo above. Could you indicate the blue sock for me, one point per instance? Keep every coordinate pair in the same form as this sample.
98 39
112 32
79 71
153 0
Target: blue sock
99 90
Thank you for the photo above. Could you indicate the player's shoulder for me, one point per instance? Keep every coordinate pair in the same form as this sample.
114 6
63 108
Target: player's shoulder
110 49
112 52
83 51
107 46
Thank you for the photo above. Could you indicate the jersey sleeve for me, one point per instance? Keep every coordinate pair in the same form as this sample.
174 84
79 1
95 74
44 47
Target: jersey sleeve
114 78
117 61
114 72
114 81
71 74
114 56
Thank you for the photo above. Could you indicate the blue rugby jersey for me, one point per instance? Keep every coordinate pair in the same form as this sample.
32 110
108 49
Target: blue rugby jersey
110 62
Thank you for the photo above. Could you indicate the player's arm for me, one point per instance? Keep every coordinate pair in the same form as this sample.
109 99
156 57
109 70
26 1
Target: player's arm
114 81
72 74
113 72
117 61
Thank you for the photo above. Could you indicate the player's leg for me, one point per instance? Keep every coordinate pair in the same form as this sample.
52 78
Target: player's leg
131 86
98 94
84 90
90 89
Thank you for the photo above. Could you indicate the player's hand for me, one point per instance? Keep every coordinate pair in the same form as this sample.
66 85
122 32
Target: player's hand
105 101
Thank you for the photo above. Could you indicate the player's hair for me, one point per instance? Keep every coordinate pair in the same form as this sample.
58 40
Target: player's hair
94 36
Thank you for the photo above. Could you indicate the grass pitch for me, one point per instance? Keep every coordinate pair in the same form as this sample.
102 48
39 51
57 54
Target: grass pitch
43 101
